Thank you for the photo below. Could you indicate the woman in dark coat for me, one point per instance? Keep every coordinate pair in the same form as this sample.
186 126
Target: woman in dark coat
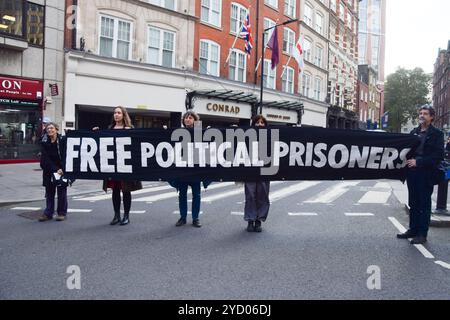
257 201
121 120
52 162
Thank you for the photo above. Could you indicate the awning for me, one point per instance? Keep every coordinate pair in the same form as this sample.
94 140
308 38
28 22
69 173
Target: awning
232 95
287 105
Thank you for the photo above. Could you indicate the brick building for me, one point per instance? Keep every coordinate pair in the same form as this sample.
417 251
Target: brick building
441 88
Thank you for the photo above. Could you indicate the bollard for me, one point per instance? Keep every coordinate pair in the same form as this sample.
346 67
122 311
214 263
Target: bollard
441 204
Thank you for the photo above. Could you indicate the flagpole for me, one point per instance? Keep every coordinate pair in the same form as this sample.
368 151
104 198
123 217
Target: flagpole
236 37
284 67
262 57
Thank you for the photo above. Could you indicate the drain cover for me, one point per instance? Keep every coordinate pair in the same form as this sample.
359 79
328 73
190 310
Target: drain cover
32 215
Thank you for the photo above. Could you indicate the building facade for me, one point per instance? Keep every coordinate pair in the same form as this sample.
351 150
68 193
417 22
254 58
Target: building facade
343 64
31 74
441 89
315 43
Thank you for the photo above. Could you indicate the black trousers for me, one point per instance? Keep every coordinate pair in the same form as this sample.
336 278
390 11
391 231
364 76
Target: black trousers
419 199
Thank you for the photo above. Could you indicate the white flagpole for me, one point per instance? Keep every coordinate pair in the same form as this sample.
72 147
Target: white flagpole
287 63
237 35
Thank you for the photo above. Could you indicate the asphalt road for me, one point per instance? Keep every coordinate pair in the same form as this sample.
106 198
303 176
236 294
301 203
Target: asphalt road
322 240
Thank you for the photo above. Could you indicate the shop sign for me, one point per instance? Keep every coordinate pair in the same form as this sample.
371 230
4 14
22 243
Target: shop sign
222 108
20 88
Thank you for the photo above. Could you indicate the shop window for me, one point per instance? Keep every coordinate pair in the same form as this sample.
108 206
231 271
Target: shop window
35 24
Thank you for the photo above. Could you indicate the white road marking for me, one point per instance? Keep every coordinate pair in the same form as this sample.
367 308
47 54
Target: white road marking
443 264
402 229
237 213
134 211
231 193
304 214
26 208
292 189
189 212
79 210
358 214
377 196
174 194
109 195
331 194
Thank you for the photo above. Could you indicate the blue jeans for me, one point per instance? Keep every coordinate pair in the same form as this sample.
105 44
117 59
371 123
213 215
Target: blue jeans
419 199
50 192
182 199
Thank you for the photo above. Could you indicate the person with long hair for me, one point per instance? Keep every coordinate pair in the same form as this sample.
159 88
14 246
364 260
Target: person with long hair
121 120
257 201
52 162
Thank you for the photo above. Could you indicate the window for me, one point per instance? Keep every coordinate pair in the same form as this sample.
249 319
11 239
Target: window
35 24
267 24
308 15
237 66
288 40
270 81
161 47
341 11
169 4
333 5
287 81
307 49
11 17
272 3
319 56
115 38
289 8
349 20
317 88
238 15
319 22
209 58
211 12
306 84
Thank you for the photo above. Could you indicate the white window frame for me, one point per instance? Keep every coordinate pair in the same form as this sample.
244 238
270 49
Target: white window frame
286 72
307 53
161 44
290 45
236 78
318 49
270 73
305 90
333 5
317 89
308 20
210 10
272 3
288 4
341 11
349 19
208 63
116 34
238 22
162 3
271 23
317 27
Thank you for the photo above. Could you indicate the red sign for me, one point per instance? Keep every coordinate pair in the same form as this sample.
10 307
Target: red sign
21 88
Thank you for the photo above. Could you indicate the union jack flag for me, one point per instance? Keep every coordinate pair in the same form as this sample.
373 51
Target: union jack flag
247 34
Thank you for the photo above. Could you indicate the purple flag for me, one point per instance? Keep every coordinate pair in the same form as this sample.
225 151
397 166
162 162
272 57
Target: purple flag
273 44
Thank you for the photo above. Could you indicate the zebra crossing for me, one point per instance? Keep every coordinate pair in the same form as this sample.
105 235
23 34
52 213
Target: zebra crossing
311 195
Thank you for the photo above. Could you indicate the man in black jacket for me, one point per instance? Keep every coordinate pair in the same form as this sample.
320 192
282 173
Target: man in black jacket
421 175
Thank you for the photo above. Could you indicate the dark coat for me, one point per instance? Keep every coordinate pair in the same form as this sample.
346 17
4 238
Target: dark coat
49 166
433 152
126 186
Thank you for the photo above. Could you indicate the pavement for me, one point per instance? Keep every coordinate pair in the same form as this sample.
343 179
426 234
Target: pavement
22 183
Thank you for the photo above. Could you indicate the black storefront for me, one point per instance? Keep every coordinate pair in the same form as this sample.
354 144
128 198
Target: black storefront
339 118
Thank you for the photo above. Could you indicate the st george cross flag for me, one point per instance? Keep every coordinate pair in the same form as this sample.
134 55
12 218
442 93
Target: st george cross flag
273 44
298 55
246 32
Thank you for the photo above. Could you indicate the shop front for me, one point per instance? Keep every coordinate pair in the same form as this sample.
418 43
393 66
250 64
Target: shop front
283 112
222 108
21 103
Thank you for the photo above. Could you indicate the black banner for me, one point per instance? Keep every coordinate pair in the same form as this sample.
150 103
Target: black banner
237 154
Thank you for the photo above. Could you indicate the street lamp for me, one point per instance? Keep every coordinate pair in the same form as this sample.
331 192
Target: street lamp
262 59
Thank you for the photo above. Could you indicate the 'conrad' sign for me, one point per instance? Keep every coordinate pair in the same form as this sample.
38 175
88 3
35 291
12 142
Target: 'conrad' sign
224 108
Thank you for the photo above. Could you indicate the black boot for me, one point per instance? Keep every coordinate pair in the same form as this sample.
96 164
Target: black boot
116 219
257 226
125 220
250 226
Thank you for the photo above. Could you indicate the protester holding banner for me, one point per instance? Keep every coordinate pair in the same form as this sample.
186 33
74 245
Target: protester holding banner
52 164
422 168
189 118
256 194
121 120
